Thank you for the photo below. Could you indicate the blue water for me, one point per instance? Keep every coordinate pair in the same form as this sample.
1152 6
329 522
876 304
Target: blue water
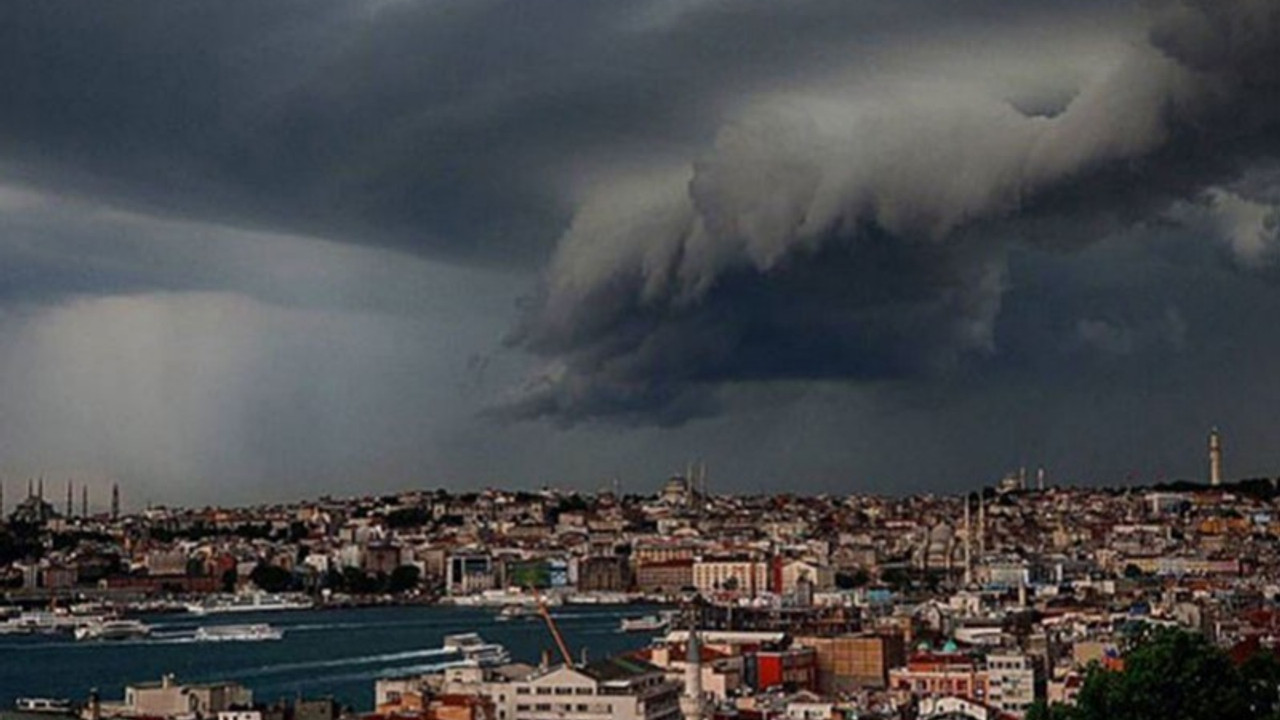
339 653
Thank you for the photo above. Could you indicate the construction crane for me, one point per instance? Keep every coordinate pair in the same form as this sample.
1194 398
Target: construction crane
551 625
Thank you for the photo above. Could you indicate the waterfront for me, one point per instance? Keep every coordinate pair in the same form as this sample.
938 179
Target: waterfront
324 652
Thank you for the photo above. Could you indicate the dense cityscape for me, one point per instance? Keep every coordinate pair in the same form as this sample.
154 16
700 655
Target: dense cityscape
994 604
644 360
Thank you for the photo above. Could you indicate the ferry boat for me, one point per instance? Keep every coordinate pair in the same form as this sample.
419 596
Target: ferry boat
474 648
112 630
46 706
44 621
648 623
249 602
238 633
503 598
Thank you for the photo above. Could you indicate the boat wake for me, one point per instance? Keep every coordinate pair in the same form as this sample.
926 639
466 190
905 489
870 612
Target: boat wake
284 668
362 676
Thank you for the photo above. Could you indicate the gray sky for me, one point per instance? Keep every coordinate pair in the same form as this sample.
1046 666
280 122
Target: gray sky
269 250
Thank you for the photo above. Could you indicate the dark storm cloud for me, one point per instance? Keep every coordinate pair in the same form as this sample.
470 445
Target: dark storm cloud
453 128
869 242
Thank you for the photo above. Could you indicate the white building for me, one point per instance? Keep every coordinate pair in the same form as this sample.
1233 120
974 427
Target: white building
748 578
170 699
617 688
1011 682
822 577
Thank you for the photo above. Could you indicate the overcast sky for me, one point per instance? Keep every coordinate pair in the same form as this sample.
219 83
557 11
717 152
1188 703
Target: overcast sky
266 250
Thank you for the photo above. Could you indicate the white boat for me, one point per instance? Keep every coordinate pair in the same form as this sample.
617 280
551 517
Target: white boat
600 598
43 621
43 705
516 612
503 598
249 602
238 633
473 648
648 623
112 630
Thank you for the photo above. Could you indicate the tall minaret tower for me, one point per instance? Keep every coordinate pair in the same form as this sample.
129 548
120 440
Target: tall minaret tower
115 501
691 706
84 500
982 525
968 544
1215 457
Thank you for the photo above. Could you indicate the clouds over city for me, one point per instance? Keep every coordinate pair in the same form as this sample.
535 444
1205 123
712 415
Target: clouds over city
696 222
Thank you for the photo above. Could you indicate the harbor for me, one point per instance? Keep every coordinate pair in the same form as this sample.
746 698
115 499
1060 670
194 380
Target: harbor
337 653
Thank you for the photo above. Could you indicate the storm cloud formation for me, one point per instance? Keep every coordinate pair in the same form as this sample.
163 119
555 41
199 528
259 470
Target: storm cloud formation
307 241
840 238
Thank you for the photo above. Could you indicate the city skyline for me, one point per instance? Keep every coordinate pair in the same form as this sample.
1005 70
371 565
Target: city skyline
827 247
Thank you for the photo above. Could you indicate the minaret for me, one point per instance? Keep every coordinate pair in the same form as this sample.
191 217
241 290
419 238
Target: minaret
115 501
691 700
1215 458
1040 479
71 508
968 544
40 494
84 500
982 525
1 501
30 488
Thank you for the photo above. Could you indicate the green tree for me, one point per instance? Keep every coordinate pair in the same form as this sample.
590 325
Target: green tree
404 578
1261 674
271 578
1172 675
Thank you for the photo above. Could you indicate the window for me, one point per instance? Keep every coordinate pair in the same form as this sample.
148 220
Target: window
522 691
543 691
564 691
583 691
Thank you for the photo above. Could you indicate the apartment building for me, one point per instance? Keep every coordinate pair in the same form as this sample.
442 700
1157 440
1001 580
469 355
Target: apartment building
615 688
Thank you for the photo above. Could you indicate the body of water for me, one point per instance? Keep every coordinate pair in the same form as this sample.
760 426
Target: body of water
338 653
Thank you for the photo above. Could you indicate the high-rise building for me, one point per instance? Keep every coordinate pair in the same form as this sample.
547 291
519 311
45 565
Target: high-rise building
1215 457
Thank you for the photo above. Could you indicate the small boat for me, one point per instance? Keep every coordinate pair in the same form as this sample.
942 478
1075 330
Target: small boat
473 648
647 623
516 612
238 633
112 630
43 705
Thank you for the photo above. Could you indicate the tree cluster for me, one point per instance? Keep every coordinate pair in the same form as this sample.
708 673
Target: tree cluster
1176 675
